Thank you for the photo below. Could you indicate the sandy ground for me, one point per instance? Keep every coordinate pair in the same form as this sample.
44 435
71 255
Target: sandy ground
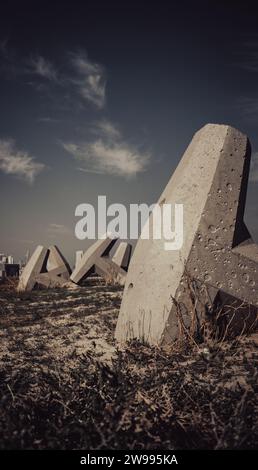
64 384
58 324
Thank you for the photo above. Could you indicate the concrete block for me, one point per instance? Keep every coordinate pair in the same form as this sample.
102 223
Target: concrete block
46 267
35 265
217 253
56 261
122 255
50 280
106 268
96 259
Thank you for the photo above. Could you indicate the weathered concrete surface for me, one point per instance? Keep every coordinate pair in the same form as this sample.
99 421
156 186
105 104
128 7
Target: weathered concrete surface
78 257
122 255
46 267
50 280
217 253
106 268
56 261
96 259
32 269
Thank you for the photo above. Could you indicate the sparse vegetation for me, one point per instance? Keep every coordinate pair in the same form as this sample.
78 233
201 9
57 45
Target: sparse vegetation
65 385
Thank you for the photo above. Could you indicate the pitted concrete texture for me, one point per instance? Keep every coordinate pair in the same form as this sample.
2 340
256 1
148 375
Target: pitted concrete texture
217 252
46 267
96 259
122 255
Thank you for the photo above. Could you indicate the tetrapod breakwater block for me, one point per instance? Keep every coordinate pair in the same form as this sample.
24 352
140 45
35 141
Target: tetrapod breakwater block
217 251
96 259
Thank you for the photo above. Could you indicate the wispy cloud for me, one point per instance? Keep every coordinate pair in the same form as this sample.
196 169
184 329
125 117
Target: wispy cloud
108 154
247 59
89 79
79 78
48 120
254 168
248 105
247 54
25 242
43 68
106 129
58 229
18 163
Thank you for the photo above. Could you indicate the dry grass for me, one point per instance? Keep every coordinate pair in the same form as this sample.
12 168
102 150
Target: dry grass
63 388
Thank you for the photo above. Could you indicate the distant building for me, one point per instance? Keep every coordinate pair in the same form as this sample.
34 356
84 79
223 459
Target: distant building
3 258
12 270
6 258
7 266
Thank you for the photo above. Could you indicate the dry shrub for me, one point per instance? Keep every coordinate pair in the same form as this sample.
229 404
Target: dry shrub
199 393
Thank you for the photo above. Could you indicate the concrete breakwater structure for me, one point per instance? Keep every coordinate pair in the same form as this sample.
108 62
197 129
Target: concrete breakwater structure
48 268
96 259
218 257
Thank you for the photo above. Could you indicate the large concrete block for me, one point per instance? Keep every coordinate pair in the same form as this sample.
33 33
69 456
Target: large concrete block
217 252
122 255
36 263
96 259
106 268
56 261
46 267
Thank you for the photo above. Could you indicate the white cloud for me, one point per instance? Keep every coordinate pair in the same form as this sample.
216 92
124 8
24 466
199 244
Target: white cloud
18 163
106 129
89 79
254 168
43 68
58 229
109 154
79 79
48 119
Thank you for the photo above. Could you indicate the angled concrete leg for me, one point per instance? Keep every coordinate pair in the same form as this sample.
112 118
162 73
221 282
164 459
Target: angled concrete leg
47 267
211 183
106 268
78 257
86 266
36 263
50 280
56 261
122 255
